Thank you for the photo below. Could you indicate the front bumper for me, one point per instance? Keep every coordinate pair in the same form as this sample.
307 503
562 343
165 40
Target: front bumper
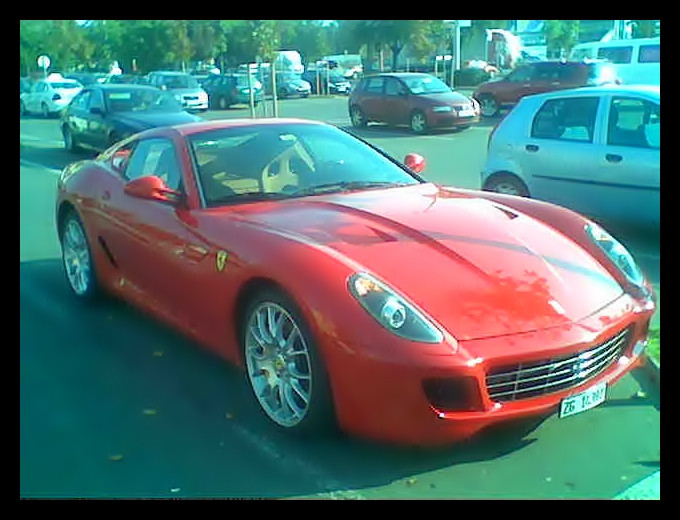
450 119
396 403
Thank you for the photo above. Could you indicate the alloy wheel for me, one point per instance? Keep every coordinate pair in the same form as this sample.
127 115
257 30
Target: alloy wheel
278 363
76 257
418 122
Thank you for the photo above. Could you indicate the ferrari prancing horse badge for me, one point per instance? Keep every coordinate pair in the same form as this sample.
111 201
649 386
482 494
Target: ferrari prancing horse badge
221 259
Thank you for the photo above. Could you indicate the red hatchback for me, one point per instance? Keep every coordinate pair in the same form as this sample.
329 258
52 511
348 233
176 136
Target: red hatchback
419 100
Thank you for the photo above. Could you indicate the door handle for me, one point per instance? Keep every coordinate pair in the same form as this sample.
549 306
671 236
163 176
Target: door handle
531 148
194 252
614 158
106 195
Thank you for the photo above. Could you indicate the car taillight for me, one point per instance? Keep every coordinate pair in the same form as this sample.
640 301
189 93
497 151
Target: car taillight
55 97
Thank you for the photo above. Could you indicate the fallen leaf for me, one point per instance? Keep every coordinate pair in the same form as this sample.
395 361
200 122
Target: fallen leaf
174 490
115 457
411 481
229 416
623 477
548 479
641 394
158 353
149 411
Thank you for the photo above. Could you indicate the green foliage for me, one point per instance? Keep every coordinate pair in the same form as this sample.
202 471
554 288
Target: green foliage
644 28
561 36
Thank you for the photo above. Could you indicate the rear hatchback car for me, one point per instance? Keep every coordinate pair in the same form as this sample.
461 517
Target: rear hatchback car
595 150
225 90
183 87
418 100
542 76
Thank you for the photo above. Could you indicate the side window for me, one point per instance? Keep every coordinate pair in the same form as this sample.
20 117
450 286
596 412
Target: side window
634 122
521 74
82 100
155 157
650 54
393 87
616 54
374 85
96 99
547 73
568 119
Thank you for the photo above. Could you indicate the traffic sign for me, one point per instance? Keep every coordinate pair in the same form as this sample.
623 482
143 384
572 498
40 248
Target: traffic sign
43 61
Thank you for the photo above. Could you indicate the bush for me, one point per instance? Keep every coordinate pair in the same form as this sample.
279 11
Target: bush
470 77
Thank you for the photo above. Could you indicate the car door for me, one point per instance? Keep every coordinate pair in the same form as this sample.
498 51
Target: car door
77 115
629 159
515 85
395 102
371 102
98 121
560 153
36 97
153 242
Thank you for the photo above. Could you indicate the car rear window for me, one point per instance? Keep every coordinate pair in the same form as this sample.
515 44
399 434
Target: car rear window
650 54
65 84
616 54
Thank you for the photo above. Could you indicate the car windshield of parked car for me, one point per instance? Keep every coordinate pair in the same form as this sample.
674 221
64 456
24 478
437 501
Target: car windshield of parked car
290 76
242 164
179 81
426 85
141 101
65 84
242 81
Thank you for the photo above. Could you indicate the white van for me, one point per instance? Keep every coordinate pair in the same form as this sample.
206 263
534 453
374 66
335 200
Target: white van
637 61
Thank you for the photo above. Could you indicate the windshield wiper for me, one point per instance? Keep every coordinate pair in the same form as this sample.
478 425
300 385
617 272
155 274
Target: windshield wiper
345 186
251 196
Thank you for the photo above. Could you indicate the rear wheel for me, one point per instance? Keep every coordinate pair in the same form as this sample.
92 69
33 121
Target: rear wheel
45 110
222 103
508 184
69 140
284 367
22 108
77 258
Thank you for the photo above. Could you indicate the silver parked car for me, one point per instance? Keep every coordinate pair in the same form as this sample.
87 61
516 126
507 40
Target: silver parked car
184 87
595 150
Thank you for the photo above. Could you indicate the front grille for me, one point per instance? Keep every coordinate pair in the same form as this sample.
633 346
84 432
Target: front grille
191 98
535 378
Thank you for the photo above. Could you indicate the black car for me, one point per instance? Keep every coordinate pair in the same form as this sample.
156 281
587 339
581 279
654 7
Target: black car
103 114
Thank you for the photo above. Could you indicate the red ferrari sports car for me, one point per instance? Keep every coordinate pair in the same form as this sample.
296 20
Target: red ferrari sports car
352 292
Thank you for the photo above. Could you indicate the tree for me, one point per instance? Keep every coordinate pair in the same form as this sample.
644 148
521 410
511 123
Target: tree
561 36
644 28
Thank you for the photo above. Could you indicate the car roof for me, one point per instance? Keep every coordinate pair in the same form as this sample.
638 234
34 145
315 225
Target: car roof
399 74
650 91
121 86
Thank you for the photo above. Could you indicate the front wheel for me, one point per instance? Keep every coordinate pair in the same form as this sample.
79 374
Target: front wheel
77 258
284 368
69 140
418 122
489 105
22 108
222 103
507 184
357 116
45 110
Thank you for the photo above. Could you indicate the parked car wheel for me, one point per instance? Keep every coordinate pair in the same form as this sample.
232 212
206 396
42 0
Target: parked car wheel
45 110
489 105
282 94
69 140
222 103
77 258
419 122
284 369
507 184
22 108
357 117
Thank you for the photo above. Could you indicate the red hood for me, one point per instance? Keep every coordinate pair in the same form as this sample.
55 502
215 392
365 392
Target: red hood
476 267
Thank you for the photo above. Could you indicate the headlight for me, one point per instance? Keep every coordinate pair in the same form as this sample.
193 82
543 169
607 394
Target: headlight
391 310
442 109
617 253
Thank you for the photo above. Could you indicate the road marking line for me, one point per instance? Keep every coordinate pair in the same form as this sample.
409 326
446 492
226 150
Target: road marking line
31 164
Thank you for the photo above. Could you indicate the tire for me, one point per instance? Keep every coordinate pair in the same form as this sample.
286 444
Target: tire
69 141
45 110
77 258
22 108
357 117
222 103
281 94
507 184
419 122
489 105
284 369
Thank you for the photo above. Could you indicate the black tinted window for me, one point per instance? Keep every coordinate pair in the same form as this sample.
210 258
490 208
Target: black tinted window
616 54
650 54
374 85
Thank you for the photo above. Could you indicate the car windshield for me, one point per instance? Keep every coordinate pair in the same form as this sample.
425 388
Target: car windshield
425 85
179 81
65 84
141 100
242 81
259 162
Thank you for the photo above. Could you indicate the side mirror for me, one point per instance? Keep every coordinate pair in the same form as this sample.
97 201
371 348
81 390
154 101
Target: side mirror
152 187
415 162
